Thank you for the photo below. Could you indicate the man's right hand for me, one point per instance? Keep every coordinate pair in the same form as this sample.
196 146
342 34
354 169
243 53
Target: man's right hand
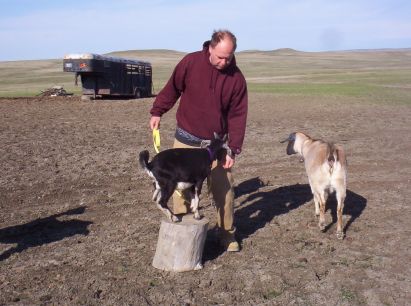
155 122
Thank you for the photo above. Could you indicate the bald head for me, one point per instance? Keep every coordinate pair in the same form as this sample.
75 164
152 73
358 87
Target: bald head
222 48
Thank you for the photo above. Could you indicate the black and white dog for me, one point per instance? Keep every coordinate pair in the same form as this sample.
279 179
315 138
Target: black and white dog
181 168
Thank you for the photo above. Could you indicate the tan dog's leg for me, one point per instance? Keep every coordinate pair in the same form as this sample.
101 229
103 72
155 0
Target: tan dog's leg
317 205
340 207
321 198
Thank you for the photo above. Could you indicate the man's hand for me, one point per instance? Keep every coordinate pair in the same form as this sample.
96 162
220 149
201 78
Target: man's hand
155 122
229 162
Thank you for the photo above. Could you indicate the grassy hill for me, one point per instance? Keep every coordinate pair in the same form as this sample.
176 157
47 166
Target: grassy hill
380 74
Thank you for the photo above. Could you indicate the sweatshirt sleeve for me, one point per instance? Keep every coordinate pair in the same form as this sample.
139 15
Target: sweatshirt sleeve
169 95
237 117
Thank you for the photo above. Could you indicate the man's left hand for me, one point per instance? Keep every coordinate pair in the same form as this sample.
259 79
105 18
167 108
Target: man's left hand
229 162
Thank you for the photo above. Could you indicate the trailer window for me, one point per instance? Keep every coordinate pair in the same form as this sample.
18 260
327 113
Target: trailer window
141 69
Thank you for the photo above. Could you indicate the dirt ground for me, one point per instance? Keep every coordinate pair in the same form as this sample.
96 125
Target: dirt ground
78 226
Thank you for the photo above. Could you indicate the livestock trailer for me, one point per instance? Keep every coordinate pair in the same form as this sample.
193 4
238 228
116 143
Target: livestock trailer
110 76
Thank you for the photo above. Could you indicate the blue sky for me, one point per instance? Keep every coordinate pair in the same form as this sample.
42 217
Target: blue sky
44 29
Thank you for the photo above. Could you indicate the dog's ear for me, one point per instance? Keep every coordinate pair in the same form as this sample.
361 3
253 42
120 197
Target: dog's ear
290 146
225 137
284 140
290 137
216 136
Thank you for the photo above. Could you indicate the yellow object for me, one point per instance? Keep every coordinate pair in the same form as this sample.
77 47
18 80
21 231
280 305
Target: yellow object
181 195
156 140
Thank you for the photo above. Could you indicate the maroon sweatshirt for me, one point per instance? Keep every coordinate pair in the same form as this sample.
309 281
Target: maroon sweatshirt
211 100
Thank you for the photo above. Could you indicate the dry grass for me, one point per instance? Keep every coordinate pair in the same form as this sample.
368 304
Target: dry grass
380 75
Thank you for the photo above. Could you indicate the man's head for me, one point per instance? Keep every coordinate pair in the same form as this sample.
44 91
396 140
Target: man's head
222 46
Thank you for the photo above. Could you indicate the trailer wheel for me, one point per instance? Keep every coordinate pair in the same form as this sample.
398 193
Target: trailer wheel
137 93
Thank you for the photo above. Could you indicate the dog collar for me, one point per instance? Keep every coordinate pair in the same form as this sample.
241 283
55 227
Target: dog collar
210 153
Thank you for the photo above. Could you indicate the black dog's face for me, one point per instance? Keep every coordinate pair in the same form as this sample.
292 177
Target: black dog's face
218 146
291 142
218 143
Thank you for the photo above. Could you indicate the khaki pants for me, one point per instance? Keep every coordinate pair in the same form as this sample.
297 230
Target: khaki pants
220 184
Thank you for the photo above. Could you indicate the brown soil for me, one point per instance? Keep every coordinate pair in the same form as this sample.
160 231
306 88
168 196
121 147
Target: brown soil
78 225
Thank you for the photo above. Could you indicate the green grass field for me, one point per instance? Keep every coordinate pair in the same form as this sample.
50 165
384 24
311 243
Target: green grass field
380 75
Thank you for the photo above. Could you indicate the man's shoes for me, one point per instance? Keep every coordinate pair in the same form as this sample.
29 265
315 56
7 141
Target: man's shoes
233 247
228 242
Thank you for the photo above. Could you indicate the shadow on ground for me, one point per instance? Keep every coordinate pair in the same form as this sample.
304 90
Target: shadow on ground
354 205
42 231
260 207
250 217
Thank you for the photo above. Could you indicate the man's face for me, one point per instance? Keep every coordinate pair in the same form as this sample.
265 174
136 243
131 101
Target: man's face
222 54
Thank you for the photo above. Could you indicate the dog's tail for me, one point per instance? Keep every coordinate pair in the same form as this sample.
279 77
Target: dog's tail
336 155
331 154
143 159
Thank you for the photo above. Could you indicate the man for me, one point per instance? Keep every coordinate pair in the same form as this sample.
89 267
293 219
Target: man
214 98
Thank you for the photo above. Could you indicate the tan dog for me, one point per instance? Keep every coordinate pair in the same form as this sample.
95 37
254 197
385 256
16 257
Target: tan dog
326 168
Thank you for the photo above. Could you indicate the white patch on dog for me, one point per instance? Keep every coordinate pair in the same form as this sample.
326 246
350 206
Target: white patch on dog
194 206
157 192
183 185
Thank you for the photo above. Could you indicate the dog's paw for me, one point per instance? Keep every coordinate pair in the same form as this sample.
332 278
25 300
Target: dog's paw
340 235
